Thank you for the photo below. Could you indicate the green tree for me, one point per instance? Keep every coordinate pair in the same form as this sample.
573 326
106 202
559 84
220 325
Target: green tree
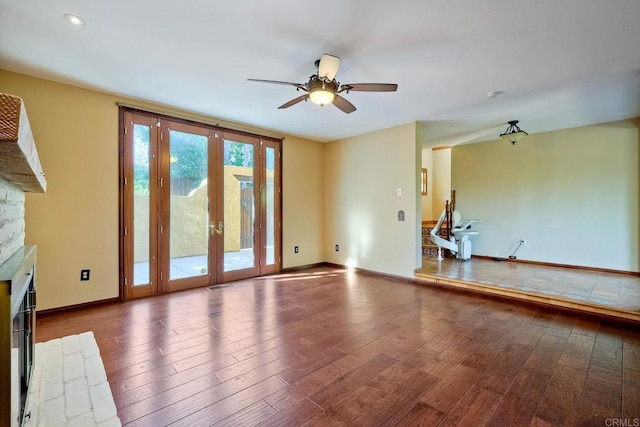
140 159
238 154
188 154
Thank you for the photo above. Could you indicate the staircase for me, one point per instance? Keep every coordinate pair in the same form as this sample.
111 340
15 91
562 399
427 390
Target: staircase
430 249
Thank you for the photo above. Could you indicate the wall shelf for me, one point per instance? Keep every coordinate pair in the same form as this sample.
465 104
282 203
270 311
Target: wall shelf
19 161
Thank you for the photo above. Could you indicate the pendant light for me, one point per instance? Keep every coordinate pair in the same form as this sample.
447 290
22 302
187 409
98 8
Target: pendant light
513 133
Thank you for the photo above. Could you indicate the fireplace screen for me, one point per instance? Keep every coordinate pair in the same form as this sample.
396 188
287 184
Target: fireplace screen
17 298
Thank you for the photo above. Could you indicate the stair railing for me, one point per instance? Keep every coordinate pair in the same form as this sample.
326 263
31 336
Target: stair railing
450 206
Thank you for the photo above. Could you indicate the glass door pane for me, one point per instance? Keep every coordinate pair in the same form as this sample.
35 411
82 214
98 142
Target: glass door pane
139 199
188 206
238 207
270 205
141 209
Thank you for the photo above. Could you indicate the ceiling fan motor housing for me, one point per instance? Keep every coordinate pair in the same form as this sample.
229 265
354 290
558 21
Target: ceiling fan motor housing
316 83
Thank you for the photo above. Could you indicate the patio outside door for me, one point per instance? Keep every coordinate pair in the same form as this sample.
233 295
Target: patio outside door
186 251
199 205
237 216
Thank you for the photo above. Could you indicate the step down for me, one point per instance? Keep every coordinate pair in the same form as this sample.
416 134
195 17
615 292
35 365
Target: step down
536 297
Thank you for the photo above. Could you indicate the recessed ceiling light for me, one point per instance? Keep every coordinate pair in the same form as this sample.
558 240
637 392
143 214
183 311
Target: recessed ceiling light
74 19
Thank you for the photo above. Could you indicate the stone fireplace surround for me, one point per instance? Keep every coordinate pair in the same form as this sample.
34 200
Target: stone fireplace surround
12 227
20 172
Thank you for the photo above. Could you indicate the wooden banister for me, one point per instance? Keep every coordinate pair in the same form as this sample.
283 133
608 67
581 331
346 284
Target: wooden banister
450 206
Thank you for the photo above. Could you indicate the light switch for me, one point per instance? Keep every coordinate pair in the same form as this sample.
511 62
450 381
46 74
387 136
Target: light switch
399 192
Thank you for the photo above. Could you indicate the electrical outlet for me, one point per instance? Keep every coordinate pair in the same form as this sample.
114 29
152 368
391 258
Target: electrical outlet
524 242
295 250
84 274
337 248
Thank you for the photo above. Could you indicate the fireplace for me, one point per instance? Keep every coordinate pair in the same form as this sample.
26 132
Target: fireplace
20 172
17 305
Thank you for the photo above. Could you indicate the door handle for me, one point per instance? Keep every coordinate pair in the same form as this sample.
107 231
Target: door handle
213 229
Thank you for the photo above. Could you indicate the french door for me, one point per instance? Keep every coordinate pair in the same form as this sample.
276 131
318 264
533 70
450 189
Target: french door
200 205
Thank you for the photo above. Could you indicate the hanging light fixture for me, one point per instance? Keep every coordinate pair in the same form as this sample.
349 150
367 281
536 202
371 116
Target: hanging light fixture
321 91
513 133
321 97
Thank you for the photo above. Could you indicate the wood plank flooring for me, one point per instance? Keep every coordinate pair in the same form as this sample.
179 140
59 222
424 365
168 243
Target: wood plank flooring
607 293
331 347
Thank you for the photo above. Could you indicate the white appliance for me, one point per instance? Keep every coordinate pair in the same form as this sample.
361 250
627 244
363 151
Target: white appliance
460 242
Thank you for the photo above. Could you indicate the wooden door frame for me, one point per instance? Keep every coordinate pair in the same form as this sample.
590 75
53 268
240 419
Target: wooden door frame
164 255
277 266
126 291
127 247
228 276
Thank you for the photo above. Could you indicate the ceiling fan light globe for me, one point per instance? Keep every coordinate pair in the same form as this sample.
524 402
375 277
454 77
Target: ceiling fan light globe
321 97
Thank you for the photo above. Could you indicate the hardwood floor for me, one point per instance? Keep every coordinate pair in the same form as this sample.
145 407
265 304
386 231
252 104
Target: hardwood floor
331 347
607 293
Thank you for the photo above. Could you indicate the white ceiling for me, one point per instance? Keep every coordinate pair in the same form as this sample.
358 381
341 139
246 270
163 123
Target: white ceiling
559 63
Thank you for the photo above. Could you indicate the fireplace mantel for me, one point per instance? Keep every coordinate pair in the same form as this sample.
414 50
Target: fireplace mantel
19 161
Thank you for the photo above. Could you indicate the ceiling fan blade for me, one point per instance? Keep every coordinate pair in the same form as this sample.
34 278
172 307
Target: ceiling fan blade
343 104
328 66
369 87
278 82
293 101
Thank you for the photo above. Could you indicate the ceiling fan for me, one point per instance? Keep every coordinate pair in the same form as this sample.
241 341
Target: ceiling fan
322 87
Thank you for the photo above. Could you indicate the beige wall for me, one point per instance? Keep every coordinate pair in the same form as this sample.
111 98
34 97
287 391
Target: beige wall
438 162
573 195
303 202
427 201
362 177
441 180
75 224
